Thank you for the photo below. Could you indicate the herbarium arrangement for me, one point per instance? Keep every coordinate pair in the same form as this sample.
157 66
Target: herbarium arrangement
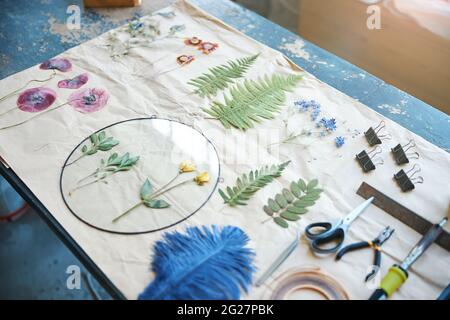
247 185
149 196
252 101
291 203
207 263
140 32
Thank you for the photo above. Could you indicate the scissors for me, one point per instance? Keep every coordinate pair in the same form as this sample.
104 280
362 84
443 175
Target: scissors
333 232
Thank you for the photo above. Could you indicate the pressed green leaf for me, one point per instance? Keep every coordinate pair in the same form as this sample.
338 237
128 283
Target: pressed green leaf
268 210
281 222
302 185
146 190
289 216
102 136
303 203
94 139
84 149
295 189
288 195
91 152
281 201
297 210
218 78
312 184
247 185
252 101
156 204
273 205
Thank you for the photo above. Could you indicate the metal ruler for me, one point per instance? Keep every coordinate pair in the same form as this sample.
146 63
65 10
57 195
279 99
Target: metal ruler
408 217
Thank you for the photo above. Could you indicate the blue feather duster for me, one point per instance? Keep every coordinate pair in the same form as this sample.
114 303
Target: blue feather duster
204 263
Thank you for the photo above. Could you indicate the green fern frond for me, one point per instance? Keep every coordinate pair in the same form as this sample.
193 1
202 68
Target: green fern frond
221 76
252 101
247 185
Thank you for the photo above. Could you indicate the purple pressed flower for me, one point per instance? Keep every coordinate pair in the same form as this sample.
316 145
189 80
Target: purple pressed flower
61 64
89 100
36 99
340 141
74 83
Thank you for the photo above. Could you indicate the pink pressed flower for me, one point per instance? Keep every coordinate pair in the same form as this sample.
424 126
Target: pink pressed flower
36 99
61 64
89 100
74 83
184 59
194 41
207 47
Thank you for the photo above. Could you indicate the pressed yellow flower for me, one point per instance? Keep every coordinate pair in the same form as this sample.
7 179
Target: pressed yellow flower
202 178
187 166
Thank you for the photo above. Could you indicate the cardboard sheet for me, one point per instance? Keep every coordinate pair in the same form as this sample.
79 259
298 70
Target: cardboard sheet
37 150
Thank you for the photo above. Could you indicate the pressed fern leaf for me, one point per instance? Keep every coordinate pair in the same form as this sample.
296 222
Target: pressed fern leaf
247 185
252 101
221 76
293 202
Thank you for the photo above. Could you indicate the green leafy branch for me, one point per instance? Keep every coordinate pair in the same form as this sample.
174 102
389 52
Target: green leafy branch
252 101
99 142
112 165
218 78
291 203
247 185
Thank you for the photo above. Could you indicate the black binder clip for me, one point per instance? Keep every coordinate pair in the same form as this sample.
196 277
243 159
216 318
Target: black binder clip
373 135
401 153
365 159
406 180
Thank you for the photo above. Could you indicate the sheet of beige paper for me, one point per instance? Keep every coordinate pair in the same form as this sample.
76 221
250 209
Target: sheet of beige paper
37 150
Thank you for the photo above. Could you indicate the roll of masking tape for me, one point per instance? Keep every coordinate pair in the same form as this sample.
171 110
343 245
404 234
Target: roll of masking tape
311 279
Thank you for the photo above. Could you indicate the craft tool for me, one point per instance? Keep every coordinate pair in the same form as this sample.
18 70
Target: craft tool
375 244
373 135
278 261
401 154
309 279
408 217
329 233
407 180
445 295
398 274
365 159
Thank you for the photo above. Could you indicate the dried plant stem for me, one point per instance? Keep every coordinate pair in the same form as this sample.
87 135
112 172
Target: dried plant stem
157 193
80 157
25 85
38 115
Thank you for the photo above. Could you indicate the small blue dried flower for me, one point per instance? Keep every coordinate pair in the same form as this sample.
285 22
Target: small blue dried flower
340 141
328 124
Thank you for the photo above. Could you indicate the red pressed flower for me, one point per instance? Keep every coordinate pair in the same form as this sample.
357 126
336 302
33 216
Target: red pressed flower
61 64
74 83
89 100
194 41
207 47
36 99
184 59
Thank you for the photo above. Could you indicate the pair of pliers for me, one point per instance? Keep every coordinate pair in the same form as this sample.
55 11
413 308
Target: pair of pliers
375 244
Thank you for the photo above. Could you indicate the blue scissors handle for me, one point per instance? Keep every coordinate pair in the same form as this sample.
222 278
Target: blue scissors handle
322 243
318 229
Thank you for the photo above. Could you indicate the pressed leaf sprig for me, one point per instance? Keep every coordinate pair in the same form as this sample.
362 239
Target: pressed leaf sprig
220 77
112 165
247 185
149 196
252 101
99 142
291 203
